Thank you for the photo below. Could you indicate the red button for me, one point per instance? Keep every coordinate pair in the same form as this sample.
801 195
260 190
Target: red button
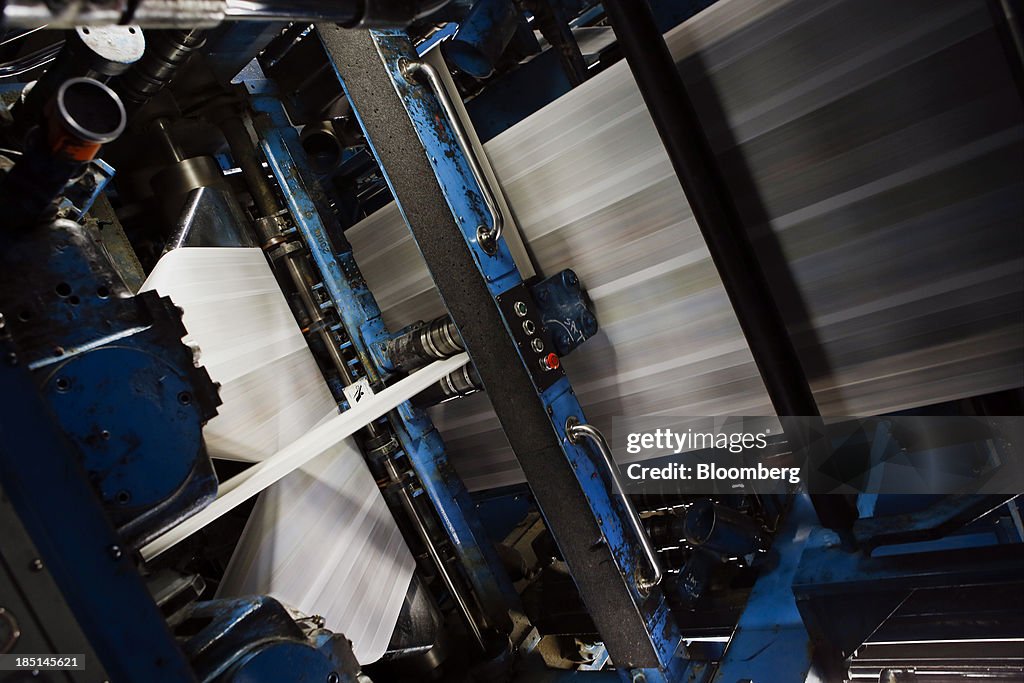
552 361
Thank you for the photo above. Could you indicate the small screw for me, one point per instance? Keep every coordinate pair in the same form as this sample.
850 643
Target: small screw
115 552
36 565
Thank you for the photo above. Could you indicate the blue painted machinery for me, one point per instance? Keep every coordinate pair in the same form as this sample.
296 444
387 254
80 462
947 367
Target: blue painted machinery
569 577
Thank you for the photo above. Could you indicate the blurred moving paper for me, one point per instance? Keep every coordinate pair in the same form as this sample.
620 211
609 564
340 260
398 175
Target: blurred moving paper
874 151
321 540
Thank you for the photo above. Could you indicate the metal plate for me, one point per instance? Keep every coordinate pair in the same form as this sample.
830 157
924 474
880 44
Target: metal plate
524 322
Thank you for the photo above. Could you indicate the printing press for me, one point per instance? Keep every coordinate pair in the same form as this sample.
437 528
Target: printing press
656 341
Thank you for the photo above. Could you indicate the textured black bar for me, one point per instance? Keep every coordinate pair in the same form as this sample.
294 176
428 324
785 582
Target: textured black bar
695 165
506 380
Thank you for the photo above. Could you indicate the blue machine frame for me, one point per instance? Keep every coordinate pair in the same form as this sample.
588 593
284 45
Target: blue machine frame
786 613
76 541
360 315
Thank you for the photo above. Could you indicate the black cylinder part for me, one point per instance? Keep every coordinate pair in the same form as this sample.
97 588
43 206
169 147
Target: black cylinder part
84 115
425 343
89 51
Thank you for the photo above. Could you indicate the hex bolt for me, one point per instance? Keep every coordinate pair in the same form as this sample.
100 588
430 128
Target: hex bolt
520 308
529 327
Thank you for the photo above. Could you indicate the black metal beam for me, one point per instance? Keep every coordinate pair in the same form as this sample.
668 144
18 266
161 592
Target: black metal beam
731 250
506 379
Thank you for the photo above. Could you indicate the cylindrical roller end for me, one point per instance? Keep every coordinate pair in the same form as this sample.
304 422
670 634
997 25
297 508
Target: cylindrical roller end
85 115
82 116
322 147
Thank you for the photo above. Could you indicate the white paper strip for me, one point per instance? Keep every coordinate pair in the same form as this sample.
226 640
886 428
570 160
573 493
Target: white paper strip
320 440
307 543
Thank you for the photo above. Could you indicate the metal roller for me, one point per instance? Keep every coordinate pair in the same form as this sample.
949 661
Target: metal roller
166 53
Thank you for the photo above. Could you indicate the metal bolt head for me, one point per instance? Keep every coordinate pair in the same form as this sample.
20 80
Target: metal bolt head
537 345
333 677
529 327
638 677
487 240
36 565
115 552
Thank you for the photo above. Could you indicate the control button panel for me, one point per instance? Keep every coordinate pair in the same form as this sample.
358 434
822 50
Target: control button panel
523 318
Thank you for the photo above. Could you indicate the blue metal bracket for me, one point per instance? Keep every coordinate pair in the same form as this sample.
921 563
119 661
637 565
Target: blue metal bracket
80 196
770 635
566 310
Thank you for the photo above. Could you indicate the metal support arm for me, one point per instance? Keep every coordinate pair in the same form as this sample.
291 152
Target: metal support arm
440 199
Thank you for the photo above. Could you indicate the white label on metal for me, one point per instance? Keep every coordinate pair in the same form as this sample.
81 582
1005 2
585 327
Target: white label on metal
360 391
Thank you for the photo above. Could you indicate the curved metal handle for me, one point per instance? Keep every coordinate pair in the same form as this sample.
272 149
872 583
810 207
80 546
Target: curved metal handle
412 70
576 432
